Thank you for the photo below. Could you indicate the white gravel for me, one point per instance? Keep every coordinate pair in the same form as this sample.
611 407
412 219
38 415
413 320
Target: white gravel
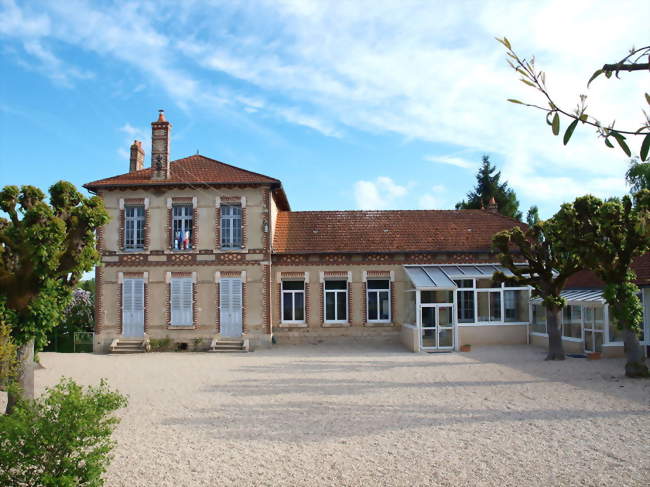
360 415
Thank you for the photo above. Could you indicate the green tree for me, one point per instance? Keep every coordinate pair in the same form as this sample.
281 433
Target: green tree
607 236
61 439
536 78
638 175
532 216
535 257
45 249
8 358
488 186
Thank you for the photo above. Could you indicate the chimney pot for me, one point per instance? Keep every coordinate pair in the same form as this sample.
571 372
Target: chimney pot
136 160
492 205
160 143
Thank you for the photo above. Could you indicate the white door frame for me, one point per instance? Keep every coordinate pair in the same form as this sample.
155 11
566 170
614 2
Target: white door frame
451 327
132 320
230 316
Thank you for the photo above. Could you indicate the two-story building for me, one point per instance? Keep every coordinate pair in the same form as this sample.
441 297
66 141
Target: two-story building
203 252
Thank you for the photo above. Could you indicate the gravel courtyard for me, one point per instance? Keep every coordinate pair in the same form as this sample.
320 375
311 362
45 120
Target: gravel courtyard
364 415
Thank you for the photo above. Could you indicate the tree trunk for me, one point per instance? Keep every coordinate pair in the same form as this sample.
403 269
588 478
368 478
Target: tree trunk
635 366
555 347
25 377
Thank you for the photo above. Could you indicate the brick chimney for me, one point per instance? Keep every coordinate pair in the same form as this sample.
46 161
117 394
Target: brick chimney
492 206
160 142
137 156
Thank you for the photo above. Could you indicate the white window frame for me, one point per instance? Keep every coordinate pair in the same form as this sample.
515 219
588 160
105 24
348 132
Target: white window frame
293 293
378 291
230 218
183 219
131 224
457 300
183 282
336 298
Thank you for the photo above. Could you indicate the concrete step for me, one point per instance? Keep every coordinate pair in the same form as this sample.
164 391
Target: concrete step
229 345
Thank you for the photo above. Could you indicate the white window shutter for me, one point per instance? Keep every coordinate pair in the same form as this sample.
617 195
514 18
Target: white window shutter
181 301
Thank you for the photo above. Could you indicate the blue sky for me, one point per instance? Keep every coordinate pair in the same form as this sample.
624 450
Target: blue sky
365 104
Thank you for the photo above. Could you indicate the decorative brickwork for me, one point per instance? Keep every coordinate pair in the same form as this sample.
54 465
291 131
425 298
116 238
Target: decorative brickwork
170 228
121 245
392 302
217 229
120 294
179 259
99 290
195 310
244 228
218 320
307 305
195 227
147 229
364 303
266 299
396 258
244 323
267 205
322 303
349 302
168 304
146 306
278 300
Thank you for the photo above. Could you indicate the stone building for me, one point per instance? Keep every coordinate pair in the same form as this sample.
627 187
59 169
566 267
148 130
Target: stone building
204 252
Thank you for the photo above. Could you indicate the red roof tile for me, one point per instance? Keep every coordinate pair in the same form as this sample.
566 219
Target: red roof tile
589 280
195 169
387 231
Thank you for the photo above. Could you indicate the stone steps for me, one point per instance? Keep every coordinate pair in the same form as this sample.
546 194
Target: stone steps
229 345
128 345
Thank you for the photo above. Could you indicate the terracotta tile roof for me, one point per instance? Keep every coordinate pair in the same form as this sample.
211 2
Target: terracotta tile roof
387 231
195 169
589 280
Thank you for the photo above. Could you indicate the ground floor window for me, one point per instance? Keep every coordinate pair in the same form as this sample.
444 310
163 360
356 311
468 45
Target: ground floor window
465 306
293 301
515 305
181 301
572 321
378 299
336 301
539 318
489 306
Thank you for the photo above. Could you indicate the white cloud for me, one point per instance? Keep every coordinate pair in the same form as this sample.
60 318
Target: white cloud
380 194
452 161
432 74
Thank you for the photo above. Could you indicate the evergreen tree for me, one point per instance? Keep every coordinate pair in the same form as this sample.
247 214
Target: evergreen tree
488 186
638 175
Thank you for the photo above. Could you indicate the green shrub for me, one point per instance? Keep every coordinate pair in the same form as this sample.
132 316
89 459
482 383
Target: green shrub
161 344
198 344
8 356
61 439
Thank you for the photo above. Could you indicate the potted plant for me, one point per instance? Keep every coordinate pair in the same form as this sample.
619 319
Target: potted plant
466 348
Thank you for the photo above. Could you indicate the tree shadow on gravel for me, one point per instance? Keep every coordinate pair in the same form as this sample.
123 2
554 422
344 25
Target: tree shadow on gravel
305 421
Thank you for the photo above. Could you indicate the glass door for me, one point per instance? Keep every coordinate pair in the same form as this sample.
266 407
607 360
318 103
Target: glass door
437 327
594 326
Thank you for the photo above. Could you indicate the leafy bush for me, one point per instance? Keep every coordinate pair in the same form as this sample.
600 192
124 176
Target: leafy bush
62 439
161 344
8 355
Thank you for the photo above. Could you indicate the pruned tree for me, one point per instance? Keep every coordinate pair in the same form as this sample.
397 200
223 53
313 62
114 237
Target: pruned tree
44 251
488 186
536 259
536 78
607 236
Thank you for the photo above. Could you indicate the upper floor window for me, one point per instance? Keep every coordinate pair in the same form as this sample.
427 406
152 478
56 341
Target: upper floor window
231 227
182 226
134 227
378 295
